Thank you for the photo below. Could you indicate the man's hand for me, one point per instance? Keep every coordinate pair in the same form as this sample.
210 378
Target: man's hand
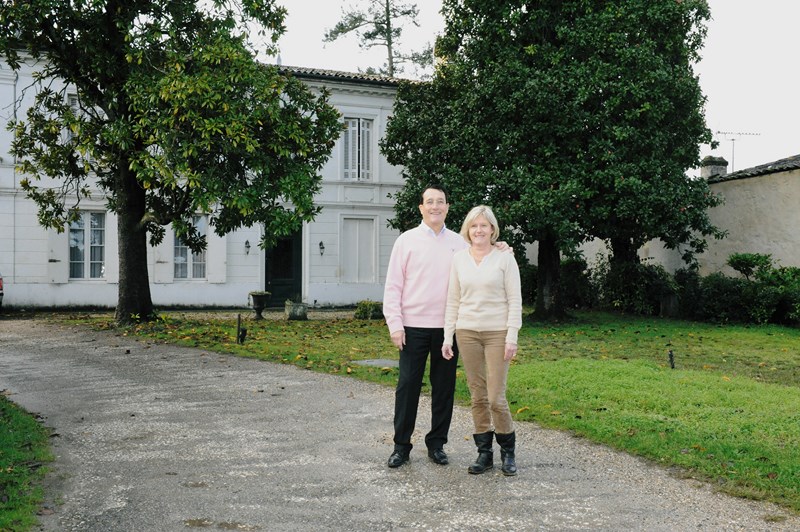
399 339
511 352
447 351
503 246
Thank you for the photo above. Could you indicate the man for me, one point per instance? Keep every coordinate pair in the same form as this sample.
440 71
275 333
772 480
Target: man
414 303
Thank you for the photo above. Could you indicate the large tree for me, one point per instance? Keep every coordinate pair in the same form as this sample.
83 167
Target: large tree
174 117
574 119
380 23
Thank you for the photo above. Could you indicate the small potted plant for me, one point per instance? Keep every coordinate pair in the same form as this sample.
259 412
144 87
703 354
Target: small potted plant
296 310
259 299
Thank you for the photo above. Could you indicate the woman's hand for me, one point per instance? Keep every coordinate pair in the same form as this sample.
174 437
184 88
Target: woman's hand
511 352
447 351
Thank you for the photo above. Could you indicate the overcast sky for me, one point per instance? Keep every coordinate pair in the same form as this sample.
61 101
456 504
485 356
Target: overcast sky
749 69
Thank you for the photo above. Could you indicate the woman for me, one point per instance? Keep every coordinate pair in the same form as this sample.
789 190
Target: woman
484 309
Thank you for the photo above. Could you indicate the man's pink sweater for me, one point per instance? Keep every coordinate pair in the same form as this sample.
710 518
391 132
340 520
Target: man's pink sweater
415 294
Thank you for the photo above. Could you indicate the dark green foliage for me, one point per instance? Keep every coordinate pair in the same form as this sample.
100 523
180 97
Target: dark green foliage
572 119
632 287
369 310
576 286
688 285
772 296
527 276
786 281
721 299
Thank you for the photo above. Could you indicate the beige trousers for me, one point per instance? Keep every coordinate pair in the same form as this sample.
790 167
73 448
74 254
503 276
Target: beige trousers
487 374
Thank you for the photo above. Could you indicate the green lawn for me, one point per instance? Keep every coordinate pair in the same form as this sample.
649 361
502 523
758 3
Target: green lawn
24 449
728 413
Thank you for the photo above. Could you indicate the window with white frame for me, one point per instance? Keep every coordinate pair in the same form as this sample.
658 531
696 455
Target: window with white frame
189 265
358 250
87 241
358 148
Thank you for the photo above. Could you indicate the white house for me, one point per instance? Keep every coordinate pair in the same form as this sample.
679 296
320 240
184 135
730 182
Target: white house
340 258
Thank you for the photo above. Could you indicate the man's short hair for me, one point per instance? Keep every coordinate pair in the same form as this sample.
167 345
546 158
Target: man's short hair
432 187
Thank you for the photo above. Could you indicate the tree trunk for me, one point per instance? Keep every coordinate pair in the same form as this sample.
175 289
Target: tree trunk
549 304
133 301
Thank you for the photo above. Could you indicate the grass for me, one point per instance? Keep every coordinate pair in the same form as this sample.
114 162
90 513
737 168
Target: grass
24 449
728 413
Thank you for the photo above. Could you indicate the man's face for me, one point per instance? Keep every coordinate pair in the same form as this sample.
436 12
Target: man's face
434 208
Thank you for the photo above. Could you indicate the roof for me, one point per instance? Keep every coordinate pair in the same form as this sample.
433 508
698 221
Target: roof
781 165
337 75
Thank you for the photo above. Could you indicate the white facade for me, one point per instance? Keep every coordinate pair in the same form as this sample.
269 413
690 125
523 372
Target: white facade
352 226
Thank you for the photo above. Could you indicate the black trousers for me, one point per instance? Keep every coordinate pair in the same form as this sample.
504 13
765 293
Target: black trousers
421 342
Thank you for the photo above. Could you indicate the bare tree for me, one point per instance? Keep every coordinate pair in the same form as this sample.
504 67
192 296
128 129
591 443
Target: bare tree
379 23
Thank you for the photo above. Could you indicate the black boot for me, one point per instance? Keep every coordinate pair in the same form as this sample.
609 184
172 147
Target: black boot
485 453
507 443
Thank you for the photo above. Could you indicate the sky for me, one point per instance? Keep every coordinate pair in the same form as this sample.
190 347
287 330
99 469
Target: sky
748 70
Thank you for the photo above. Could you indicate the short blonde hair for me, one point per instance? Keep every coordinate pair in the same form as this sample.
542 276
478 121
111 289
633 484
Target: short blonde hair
486 212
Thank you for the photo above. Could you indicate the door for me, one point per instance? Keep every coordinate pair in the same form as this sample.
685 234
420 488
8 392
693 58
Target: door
284 269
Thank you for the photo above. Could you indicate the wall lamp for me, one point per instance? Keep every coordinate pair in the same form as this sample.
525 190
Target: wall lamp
321 248
246 247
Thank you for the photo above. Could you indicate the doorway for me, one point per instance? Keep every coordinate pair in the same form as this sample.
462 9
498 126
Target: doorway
284 269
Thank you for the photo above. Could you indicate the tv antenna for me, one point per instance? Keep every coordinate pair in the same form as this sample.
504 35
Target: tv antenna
733 138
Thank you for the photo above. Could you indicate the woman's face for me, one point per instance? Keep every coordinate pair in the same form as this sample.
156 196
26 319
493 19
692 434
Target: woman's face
480 231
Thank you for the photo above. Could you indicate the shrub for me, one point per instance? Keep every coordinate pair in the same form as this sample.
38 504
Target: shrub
721 298
528 278
786 281
760 301
687 282
632 287
369 310
576 287
749 263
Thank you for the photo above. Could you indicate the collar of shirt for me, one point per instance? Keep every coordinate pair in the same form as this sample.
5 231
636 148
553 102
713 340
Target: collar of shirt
425 227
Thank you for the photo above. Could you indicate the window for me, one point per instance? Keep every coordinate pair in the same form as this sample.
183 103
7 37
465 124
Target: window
358 148
358 250
89 228
190 265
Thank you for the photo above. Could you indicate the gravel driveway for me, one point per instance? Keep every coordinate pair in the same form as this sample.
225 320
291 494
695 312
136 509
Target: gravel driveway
152 437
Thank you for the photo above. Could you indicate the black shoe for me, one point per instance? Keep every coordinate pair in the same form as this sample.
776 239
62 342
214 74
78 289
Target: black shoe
438 456
397 459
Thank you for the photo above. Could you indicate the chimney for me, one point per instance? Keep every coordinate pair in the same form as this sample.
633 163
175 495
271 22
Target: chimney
712 166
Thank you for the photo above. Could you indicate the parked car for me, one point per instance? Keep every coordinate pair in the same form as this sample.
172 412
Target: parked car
1 291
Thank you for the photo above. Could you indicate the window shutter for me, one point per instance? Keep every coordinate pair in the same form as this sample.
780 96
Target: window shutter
163 269
216 257
358 250
366 153
351 148
112 249
58 256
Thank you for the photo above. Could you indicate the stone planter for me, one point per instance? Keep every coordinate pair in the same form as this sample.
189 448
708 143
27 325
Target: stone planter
260 301
296 310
